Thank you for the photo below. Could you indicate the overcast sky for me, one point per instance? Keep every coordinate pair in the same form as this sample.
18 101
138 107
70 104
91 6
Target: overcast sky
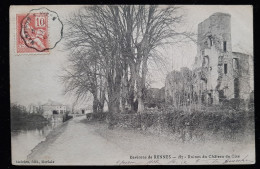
34 78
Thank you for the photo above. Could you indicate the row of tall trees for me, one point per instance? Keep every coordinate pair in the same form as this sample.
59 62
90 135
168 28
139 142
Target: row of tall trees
110 47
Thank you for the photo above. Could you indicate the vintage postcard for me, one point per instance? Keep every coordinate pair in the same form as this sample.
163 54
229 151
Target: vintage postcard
132 85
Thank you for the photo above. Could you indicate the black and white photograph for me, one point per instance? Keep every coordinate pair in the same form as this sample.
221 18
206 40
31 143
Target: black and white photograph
131 85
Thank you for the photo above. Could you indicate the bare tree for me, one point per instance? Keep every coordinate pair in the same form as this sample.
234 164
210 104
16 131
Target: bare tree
83 75
122 39
142 29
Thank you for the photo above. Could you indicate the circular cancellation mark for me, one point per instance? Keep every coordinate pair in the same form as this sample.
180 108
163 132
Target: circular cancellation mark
41 29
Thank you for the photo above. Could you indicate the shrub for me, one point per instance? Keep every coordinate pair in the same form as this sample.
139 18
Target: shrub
21 119
96 116
235 104
191 125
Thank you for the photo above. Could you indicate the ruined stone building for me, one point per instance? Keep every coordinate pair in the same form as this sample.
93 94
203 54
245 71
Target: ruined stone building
218 73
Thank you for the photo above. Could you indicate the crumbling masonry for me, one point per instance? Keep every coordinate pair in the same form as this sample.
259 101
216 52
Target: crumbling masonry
218 73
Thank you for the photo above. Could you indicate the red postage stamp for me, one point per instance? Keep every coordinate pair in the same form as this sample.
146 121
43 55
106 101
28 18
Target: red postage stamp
38 31
32 33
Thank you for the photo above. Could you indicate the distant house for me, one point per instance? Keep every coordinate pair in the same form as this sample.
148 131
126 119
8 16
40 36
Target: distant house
52 107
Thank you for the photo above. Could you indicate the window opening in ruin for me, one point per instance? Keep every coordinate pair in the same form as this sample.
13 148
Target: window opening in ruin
210 98
210 41
205 62
235 63
236 88
225 46
225 68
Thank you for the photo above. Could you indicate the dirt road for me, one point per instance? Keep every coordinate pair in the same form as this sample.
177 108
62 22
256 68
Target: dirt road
79 142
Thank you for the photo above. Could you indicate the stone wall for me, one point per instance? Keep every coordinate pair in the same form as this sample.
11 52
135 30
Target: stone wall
245 74
218 73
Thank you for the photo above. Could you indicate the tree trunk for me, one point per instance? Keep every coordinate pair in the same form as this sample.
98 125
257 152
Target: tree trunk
140 109
124 87
114 89
132 86
141 87
95 106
